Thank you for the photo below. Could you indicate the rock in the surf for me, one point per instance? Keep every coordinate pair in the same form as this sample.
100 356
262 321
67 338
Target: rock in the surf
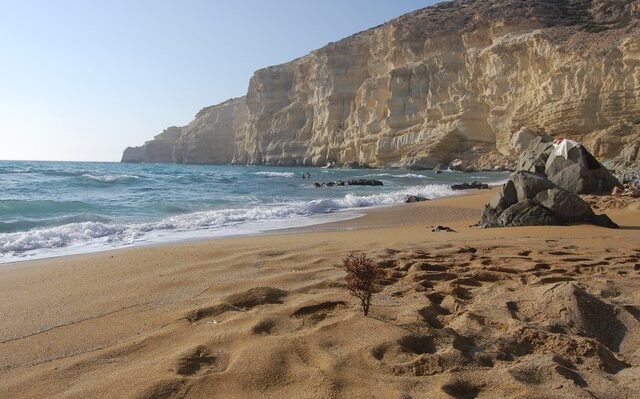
354 182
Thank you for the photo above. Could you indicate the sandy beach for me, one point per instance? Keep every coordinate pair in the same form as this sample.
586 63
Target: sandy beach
525 312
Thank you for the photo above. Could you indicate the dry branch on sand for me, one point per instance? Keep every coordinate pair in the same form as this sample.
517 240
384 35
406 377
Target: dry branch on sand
362 275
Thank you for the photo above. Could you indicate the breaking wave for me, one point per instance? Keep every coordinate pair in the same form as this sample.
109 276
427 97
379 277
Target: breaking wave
274 174
109 178
19 244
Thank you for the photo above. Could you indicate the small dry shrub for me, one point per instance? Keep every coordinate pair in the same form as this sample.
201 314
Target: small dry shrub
362 275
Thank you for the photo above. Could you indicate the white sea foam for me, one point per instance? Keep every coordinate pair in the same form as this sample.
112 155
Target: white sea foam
275 174
19 244
405 175
109 178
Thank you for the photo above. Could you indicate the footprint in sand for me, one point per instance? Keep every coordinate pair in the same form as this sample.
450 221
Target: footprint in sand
199 360
461 389
167 388
433 314
241 301
467 281
317 312
263 327
485 276
405 348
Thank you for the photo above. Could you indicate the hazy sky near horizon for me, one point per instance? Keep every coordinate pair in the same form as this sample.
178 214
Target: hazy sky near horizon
81 80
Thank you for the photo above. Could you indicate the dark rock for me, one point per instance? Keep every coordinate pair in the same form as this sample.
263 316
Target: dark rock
489 217
342 183
527 184
506 197
534 159
580 172
442 229
364 182
415 198
470 186
530 199
527 213
566 206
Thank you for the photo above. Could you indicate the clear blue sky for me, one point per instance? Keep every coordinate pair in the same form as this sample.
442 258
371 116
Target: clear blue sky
81 80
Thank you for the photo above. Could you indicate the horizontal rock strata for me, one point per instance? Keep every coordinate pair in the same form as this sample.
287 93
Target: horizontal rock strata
450 84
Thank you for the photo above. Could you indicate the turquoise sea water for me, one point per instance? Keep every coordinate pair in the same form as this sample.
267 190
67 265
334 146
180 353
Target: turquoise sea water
55 208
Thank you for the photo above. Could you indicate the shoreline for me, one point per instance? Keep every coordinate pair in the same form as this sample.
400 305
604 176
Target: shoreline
304 224
155 321
377 217
149 206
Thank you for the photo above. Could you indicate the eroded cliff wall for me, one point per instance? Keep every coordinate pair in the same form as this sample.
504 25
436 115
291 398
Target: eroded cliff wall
208 139
452 82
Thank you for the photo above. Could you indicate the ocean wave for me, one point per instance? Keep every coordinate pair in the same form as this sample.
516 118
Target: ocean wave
37 207
61 236
109 178
15 170
63 173
405 175
27 224
118 234
274 174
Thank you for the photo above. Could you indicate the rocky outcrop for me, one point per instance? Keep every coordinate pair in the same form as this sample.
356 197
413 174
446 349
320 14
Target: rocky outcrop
133 154
354 182
470 186
411 199
567 164
208 139
454 83
531 199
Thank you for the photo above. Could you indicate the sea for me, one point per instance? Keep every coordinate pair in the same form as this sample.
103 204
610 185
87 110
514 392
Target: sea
51 209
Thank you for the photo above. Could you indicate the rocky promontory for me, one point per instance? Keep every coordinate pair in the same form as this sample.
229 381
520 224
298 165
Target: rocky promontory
208 139
448 85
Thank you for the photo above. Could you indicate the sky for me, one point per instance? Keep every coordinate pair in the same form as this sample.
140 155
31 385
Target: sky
82 80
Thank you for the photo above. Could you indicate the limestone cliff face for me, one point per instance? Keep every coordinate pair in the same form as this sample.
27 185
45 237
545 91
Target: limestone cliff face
157 150
132 154
208 139
447 84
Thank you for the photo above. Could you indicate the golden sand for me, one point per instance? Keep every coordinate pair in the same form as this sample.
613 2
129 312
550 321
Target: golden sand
488 313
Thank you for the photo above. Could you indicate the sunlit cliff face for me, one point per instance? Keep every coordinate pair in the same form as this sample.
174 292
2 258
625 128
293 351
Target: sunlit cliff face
456 80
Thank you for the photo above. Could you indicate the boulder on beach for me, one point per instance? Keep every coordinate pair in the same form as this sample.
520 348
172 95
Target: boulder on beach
527 213
415 198
531 199
568 165
470 186
442 229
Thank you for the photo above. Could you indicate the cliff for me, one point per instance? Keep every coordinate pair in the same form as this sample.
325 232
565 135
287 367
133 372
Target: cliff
208 139
157 150
448 84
